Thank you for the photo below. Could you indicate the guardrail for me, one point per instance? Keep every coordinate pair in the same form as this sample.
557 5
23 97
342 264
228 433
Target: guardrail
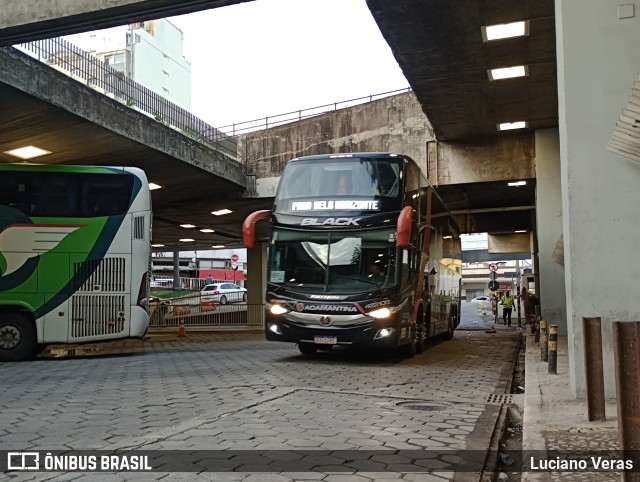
91 71
203 311
298 115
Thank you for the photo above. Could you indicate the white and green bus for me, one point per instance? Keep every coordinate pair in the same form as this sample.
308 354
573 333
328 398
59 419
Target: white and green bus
74 256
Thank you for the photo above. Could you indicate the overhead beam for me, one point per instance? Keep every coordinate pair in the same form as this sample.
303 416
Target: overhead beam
28 20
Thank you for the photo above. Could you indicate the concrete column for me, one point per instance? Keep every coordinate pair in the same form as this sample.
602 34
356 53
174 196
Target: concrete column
256 281
549 228
176 271
598 62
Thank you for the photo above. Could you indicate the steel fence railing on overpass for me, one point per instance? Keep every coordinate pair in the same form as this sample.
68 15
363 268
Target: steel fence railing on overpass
302 114
92 72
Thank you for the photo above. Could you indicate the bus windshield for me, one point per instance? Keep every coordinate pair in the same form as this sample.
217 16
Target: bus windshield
344 262
307 185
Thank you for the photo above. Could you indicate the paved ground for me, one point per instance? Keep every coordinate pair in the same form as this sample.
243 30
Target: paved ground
230 392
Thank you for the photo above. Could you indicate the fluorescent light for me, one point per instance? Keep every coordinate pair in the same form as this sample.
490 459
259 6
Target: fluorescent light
505 30
521 231
508 72
157 245
220 212
218 246
186 240
507 126
187 226
517 183
28 152
447 237
153 185
206 230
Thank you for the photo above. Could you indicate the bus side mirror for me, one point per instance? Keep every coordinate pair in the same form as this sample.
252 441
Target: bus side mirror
249 226
403 238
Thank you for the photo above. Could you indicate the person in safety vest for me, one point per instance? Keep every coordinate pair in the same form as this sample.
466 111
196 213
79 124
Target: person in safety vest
507 306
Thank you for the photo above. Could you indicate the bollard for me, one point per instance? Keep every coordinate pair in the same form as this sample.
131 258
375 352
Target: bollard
626 350
594 372
182 331
553 349
543 340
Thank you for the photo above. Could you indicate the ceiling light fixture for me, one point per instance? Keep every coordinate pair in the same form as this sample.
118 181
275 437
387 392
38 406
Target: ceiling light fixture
157 245
153 185
186 240
505 30
521 231
220 212
508 126
508 72
218 246
187 226
517 183
207 230
28 152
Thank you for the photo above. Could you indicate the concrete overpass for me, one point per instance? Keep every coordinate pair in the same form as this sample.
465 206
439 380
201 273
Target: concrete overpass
582 64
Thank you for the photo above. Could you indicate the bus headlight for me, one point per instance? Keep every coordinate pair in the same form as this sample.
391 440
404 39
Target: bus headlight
278 310
380 313
384 333
275 329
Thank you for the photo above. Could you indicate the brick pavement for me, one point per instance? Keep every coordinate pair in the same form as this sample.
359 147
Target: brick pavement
235 391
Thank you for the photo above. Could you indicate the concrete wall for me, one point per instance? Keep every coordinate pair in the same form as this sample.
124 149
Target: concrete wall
392 124
483 161
549 228
598 62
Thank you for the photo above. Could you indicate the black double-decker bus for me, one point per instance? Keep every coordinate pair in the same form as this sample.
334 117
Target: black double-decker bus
361 252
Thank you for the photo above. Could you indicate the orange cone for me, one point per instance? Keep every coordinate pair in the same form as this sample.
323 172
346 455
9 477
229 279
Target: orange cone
182 331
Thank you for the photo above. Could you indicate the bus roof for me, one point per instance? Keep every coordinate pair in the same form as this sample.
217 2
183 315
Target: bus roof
349 155
72 169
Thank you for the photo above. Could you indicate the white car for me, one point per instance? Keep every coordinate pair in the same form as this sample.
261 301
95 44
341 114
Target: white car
480 299
223 293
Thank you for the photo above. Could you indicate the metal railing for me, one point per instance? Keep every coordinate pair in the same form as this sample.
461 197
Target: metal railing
298 115
91 71
193 284
203 311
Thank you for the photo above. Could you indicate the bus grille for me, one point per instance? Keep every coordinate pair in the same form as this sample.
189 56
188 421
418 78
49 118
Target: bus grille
93 315
107 275
138 227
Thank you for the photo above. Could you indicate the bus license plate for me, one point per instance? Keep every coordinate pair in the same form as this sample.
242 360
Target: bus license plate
325 340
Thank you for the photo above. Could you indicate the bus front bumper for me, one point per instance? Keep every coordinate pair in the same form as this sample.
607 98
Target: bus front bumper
364 333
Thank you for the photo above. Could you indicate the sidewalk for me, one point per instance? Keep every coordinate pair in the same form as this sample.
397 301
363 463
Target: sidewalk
554 420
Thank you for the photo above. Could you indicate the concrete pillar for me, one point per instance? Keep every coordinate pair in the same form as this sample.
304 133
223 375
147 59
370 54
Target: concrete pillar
176 271
256 282
598 62
549 228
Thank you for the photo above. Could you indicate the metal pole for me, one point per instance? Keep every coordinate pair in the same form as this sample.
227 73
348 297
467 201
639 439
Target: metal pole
544 348
553 349
626 349
591 328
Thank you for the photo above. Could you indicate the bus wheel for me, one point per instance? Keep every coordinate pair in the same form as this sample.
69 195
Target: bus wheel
17 337
450 330
307 348
421 337
410 349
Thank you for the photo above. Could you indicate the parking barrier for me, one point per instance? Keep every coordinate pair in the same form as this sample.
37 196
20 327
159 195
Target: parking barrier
553 349
544 340
594 371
